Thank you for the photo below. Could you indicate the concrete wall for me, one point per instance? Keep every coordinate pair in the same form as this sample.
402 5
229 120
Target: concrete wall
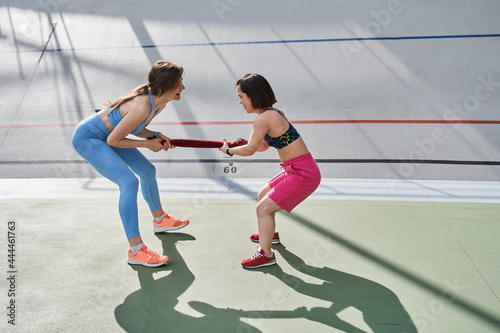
378 89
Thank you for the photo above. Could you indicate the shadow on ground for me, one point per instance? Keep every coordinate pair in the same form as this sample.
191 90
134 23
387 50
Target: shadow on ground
382 311
152 308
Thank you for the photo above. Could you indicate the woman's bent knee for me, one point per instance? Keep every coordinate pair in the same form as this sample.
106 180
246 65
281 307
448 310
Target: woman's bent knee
150 171
128 183
263 191
266 206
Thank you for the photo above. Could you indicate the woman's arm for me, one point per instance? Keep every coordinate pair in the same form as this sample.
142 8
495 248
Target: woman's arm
263 146
138 110
260 128
146 133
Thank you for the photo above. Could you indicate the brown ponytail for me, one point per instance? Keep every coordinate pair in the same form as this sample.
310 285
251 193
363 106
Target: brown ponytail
162 77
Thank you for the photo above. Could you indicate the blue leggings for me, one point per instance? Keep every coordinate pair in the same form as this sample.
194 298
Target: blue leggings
119 166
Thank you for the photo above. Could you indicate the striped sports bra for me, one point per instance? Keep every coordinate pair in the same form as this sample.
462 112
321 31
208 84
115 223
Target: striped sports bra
284 139
115 117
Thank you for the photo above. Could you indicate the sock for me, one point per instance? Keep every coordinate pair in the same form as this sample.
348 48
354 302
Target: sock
136 248
158 219
266 255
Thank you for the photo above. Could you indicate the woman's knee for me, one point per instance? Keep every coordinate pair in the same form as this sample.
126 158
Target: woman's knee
263 191
266 207
148 170
128 182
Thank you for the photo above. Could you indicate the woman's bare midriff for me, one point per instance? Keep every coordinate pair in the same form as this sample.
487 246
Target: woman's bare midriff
104 117
293 150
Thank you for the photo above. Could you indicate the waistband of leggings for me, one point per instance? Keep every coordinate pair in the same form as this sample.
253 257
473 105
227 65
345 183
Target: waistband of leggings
300 158
94 124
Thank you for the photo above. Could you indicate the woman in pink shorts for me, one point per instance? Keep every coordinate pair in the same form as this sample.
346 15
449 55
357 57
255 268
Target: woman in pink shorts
300 176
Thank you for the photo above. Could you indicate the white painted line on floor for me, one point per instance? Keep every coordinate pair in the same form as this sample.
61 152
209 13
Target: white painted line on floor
337 189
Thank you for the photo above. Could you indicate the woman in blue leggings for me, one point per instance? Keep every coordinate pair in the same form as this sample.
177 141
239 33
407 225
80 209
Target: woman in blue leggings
102 140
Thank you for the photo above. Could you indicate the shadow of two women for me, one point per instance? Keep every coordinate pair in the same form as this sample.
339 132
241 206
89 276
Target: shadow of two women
152 308
380 307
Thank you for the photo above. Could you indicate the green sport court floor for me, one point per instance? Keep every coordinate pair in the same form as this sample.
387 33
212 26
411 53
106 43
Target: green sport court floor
358 256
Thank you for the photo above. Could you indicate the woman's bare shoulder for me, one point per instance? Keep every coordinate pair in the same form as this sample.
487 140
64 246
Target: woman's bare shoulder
138 105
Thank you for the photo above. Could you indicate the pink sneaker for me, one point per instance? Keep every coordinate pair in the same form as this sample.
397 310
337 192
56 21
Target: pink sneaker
276 238
169 223
259 259
146 257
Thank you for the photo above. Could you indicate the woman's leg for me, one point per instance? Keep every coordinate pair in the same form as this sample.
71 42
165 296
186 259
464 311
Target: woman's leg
263 191
266 210
149 186
89 140
146 171
109 164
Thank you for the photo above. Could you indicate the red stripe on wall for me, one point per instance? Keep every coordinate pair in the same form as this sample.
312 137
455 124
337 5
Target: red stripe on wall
306 122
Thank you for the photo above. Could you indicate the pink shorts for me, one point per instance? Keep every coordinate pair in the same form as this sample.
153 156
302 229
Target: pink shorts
298 180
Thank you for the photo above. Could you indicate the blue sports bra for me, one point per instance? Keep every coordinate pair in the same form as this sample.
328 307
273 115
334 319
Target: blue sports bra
115 117
286 138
